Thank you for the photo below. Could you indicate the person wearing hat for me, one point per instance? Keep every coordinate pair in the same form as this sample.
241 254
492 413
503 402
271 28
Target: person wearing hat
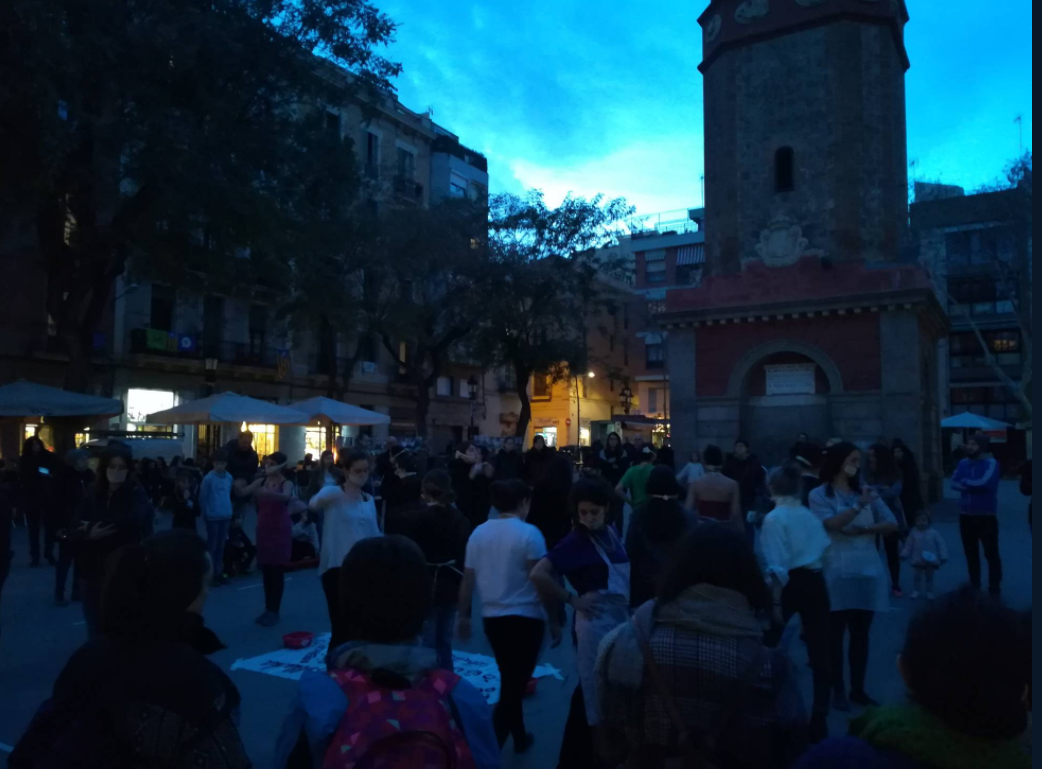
977 479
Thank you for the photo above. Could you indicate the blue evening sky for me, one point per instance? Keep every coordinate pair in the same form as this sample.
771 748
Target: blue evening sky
592 96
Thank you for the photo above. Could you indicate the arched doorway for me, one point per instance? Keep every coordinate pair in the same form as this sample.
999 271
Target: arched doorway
784 389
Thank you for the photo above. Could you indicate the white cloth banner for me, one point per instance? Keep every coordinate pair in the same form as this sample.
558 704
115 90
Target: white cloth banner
478 669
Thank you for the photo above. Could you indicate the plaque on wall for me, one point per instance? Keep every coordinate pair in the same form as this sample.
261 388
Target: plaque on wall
790 379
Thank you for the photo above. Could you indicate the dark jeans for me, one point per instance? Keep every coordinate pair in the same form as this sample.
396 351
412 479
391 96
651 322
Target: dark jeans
577 746
61 573
515 642
859 622
91 595
331 587
33 519
5 564
216 537
274 584
892 545
978 530
806 595
437 633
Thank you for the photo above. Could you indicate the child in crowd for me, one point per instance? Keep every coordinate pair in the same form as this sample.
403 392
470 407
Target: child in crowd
305 539
927 551
239 550
216 502
185 502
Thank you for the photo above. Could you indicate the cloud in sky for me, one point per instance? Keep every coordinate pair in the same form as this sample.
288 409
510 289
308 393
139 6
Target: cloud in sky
591 97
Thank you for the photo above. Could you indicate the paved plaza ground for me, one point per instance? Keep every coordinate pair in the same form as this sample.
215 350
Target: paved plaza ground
38 638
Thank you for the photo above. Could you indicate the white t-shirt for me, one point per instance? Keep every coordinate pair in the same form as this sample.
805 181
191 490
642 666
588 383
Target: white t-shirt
792 537
499 552
344 523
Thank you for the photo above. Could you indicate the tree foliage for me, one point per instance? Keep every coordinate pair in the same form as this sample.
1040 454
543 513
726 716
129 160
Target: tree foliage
182 135
545 279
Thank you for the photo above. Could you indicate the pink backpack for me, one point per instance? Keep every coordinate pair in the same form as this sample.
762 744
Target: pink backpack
385 728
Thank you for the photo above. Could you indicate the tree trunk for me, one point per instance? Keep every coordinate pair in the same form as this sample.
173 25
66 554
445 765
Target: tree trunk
423 402
328 337
522 375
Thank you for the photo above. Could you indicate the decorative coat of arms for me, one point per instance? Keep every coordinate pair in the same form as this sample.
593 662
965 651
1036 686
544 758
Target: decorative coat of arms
781 243
751 10
713 28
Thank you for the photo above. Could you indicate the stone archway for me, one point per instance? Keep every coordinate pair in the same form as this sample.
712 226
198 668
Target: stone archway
771 422
748 361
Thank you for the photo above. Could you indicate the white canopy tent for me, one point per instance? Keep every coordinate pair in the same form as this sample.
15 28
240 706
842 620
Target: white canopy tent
968 421
28 399
228 408
335 412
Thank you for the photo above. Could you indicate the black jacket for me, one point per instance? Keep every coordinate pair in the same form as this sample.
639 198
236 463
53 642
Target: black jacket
508 464
74 485
654 531
442 533
537 464
472 496
613 464
132 512
751 478
242 464
185 510
121 705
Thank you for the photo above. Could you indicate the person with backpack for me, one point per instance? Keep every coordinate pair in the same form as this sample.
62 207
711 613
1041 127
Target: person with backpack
383 701
688 681
143 694
501 554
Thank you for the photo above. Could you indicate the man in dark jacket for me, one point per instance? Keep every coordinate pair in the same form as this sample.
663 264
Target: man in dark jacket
508 462
242 458
745 468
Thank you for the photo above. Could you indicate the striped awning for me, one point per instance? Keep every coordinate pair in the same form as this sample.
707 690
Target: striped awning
695 254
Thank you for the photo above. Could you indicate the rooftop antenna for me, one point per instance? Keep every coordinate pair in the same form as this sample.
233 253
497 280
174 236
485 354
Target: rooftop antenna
1019 120
702 179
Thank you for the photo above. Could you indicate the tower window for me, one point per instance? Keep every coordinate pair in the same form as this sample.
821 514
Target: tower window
783 170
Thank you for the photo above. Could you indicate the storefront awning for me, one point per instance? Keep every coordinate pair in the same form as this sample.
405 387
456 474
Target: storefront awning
689 255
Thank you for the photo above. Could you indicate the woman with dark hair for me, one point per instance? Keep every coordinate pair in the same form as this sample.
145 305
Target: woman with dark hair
886 479
656 528
350 517
537 460
714 496
794 544
274 532
143 693
384 698
966 663
115 512
470 480
858 584
809 456
501 554
614 462
911 489
593 559
550 512
693 662
509 462
324 473
38 474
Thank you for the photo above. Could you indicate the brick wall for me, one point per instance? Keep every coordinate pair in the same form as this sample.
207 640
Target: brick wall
851 341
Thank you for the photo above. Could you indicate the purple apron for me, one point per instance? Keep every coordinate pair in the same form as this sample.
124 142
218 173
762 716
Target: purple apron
274 532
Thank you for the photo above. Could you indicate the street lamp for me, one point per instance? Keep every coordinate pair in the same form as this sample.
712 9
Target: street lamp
472 386
624 398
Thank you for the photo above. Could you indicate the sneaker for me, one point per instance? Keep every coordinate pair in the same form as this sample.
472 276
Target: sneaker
915 594
860 698
268 619
896 592
840 703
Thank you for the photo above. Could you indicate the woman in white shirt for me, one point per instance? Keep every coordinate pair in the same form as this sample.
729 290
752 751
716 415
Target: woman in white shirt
350 516
857 581
692 471
794 543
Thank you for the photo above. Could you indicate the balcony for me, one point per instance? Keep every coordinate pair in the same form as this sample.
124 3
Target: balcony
150 341
408 189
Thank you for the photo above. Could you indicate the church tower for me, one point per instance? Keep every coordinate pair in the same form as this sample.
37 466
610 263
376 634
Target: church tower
804 108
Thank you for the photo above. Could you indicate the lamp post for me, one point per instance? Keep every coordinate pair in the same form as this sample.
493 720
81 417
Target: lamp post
472 387
624 398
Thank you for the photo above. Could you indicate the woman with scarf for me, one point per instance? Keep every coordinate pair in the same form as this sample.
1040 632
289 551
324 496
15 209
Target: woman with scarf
692 662
857 582
592 558
656 528
383 697
143 692
968 704
115 512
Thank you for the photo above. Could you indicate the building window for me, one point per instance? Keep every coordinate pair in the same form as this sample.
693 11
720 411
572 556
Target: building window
162 310
258 328
213 323
443 386
995 402
540 386
406 164
655 272
688 274
141 403
333 123
372 154
979 247
265 439
315 441
978 296
367 348
784 172
655 356
965 351
457 190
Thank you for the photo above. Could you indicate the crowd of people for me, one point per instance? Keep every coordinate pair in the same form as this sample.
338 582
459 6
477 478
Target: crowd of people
674 588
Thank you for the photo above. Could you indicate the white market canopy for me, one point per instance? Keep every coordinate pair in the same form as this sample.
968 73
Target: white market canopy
968 421
28 399
228 408
339 413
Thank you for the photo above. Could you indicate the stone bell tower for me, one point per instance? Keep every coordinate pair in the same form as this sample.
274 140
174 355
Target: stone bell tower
804 131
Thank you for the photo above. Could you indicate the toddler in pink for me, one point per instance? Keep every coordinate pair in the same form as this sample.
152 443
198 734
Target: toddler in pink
927 551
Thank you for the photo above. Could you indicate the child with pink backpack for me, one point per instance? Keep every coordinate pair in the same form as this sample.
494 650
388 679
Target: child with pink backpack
383 702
